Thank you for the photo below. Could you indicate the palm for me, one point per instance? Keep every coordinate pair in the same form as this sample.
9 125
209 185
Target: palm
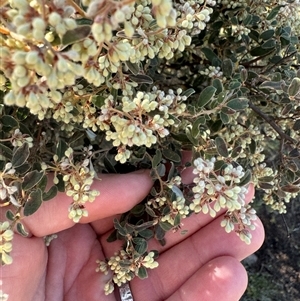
191 267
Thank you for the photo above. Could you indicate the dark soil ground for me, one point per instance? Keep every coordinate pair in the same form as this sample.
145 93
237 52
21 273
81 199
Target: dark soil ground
274 270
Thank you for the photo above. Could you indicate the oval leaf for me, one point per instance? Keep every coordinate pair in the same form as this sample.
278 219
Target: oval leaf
141 245
21 230
20 155
9 121
142 273
227 67
221 147
290 188
238 104
246 178
206 95
33 203
141 79
171 155
294 87
156 158
76 35
31 179
50 194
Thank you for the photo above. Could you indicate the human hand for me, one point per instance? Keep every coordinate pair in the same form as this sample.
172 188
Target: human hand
201 265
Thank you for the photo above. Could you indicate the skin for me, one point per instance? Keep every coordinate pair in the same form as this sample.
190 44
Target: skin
202 265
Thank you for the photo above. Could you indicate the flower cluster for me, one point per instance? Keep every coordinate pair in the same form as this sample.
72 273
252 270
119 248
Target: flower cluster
7 187
125 266
141 121
193 15
6 237
213 192
78 179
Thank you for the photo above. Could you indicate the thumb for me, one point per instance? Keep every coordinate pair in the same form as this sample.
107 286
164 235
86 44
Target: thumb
118 194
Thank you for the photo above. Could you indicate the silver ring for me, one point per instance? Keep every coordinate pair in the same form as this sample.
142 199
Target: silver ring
125 292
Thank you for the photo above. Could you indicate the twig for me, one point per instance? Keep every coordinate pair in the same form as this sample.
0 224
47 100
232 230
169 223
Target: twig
271 122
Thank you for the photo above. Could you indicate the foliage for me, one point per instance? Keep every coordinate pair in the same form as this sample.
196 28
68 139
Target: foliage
90 87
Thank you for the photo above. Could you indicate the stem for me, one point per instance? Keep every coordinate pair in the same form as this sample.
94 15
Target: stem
271 122
77 8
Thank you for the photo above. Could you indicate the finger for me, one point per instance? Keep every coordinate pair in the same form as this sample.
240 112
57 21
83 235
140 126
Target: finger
26 275
118 193
192 224
223 278
71 267
194 253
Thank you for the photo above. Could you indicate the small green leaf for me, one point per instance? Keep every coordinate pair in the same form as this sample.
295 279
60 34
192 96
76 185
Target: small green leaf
146 233
61 184
142 273
20 155
61 148
6 151
236 151
196 124
21 230
225 118
121 230
221 147
31 179
76 35
177 220
23 169
156 158
290 188
259 51
266 179
265 185
160 234
141 245
165 226
150 211
234 84
296 126
227 67
33 203
228 111
211 56
246 178
10 215
9 121
138 209
206 95
238 103
161 170
252 146
244 75
133 67
50 194
218 85
276 85
141 79
294 87
268 34
98 101
171 155
43 183
270 44
274 12
177 191
188 92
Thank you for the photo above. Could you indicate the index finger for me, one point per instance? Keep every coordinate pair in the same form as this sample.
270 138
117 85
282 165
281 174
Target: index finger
118 193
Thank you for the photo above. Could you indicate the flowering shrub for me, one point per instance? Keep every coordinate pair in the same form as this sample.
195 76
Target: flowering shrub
90 87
